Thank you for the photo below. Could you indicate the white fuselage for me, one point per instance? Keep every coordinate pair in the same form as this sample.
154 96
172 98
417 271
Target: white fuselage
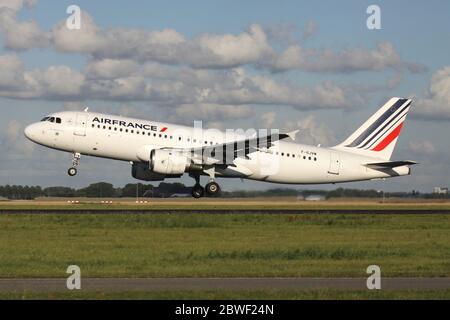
128 139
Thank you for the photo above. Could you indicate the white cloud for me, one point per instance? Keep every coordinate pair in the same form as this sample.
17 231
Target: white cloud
170 86
212 112
209 51
268 119
421 147
111 68
11 75
311 131
234 50
14 142
52 82
435 105
383 57
21 35
61 81
86 40
310 30
16 5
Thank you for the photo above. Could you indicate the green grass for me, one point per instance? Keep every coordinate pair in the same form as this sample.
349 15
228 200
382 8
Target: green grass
237 295
190 245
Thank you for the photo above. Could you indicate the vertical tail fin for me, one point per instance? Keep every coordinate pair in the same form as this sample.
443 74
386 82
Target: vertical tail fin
378 136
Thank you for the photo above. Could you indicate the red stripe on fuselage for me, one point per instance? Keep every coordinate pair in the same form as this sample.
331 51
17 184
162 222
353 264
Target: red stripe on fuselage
164 129
387 141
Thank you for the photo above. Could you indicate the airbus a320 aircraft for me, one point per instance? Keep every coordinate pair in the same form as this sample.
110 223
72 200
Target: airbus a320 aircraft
158 151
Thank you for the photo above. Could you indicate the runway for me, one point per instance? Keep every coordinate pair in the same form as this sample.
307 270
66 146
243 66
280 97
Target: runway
231 284
227 211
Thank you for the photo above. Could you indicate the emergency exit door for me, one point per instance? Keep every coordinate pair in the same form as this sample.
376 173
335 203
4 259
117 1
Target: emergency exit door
335 163
80 125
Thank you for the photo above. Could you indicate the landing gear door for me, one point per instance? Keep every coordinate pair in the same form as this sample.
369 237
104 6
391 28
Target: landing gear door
335 163
80 125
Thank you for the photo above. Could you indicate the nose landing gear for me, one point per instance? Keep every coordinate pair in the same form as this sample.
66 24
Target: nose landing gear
75 162
72 172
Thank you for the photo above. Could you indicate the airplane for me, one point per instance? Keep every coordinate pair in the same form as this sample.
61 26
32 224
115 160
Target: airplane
157 151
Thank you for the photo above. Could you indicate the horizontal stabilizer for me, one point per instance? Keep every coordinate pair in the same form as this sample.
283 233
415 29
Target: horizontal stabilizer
390 164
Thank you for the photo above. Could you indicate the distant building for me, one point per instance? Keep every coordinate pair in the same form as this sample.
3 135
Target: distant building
180 195
440 190
315 197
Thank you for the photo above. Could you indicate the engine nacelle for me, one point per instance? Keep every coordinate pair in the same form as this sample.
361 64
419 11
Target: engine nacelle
168 162
141 171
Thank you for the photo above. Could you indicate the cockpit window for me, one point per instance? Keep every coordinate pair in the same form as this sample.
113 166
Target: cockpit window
52 119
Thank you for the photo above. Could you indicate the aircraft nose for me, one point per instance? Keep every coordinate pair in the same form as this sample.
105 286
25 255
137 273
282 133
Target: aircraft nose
29 132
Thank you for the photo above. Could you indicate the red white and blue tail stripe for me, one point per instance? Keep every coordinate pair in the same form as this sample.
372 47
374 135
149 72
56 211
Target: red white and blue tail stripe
378 135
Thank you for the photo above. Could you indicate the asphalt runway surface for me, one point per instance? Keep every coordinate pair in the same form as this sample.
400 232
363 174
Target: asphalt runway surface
231 284
229 211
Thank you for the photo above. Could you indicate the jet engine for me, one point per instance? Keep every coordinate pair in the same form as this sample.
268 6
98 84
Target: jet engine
168 162
141 171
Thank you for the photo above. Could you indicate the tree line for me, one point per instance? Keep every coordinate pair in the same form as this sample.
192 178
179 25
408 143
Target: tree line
95 190
164 190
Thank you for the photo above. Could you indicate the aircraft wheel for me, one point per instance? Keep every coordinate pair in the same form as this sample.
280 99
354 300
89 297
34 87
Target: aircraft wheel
198 191
72 172
212 189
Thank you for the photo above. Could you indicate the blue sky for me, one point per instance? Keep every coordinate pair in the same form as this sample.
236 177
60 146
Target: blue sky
407 57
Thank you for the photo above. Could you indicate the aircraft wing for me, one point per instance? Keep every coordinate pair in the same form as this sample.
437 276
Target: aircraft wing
390 164
218 154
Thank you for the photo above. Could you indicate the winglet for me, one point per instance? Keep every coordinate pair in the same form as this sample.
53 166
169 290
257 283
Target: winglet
293 134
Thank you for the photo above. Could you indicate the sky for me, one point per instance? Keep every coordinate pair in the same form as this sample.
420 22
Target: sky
308 65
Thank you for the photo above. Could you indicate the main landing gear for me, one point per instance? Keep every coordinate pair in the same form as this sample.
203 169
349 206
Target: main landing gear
212 189
75 162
